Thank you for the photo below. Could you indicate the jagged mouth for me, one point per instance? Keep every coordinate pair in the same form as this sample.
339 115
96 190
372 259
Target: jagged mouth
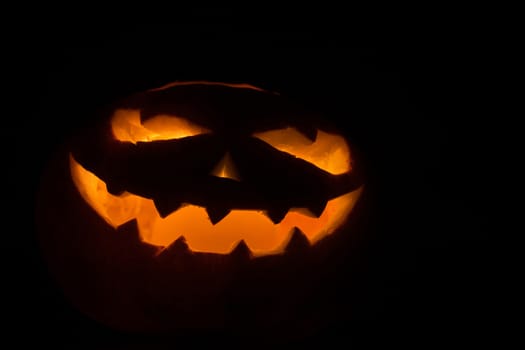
213 230
201 230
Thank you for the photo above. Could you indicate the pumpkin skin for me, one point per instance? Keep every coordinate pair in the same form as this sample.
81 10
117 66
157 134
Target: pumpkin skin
118 277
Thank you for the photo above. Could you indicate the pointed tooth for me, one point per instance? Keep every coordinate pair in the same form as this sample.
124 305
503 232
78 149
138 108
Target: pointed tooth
114 189
129 229
217 214
318 208
309 132
177 248
298 241
179 245
277 215
129 239
241 251
166 207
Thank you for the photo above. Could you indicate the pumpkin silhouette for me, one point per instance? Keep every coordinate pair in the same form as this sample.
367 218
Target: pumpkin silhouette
201 205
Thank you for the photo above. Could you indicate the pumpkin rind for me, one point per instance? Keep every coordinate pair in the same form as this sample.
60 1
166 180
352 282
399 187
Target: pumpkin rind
113 275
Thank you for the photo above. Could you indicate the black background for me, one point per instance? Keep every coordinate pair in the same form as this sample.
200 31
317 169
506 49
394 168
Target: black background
405 92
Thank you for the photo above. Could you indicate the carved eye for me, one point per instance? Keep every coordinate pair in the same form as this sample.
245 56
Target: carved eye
127 126
329 152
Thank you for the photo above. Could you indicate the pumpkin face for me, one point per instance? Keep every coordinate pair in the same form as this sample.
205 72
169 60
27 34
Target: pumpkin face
181 173
193 170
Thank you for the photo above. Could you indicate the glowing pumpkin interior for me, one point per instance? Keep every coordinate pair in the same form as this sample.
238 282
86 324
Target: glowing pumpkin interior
329 152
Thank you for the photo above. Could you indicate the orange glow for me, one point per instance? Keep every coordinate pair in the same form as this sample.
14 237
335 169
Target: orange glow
126 126
226 169
329 152
262 236
232 85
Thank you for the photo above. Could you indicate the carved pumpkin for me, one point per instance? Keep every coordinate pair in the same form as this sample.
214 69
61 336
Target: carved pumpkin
196 204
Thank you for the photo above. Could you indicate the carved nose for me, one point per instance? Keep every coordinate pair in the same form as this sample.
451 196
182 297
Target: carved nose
226 169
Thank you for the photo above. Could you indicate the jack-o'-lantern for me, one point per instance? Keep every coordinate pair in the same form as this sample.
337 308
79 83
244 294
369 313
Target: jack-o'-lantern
162 214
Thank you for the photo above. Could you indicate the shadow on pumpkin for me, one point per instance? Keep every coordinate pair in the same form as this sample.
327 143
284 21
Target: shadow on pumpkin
115 278
112 274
